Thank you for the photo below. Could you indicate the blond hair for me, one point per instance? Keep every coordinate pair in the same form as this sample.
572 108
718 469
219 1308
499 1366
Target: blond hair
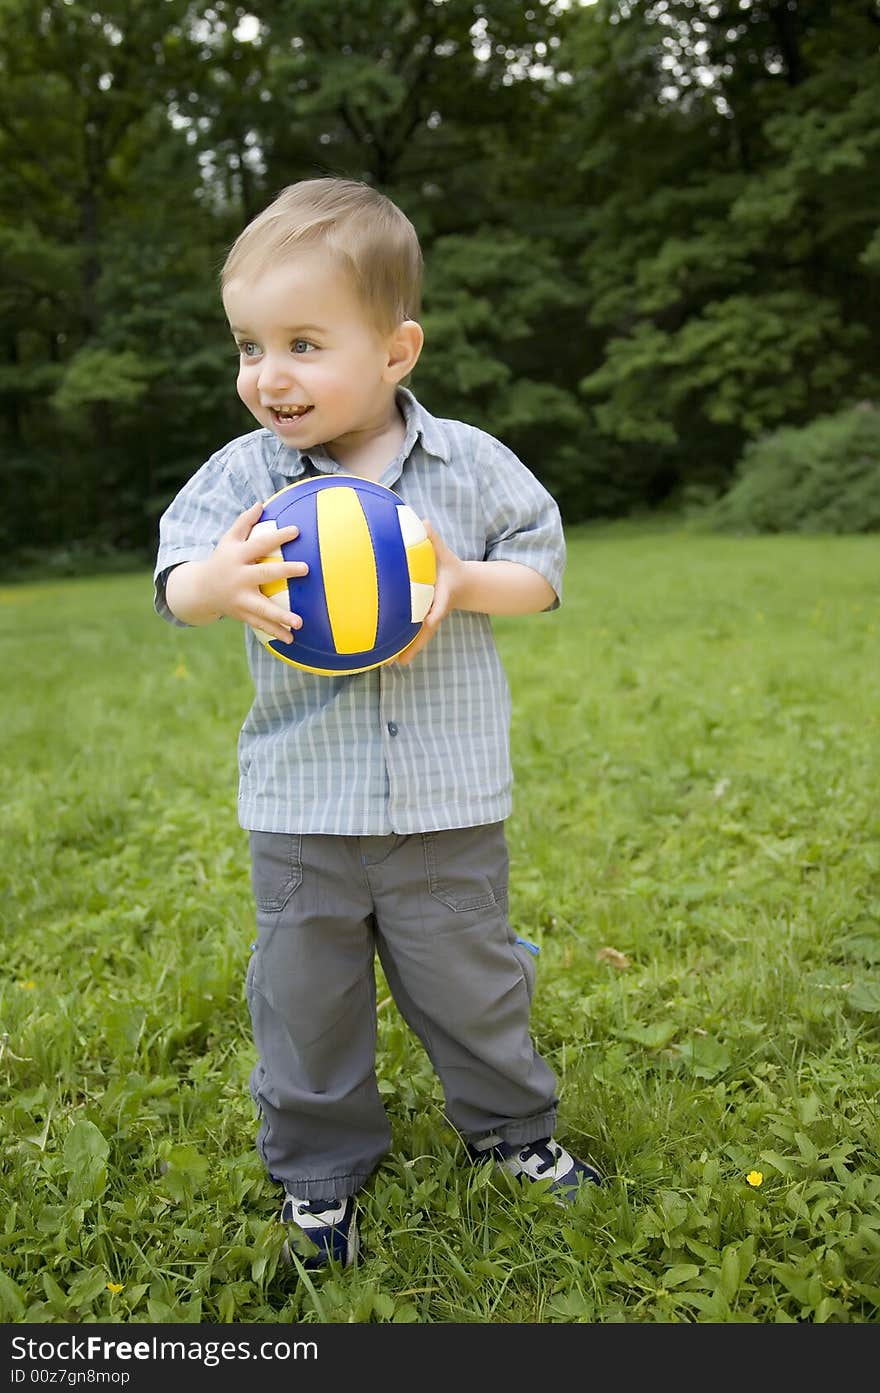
373 240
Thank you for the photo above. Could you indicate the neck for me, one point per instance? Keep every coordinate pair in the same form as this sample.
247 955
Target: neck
368 452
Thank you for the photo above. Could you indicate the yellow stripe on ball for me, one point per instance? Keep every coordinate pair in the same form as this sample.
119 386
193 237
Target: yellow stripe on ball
351 586
422 563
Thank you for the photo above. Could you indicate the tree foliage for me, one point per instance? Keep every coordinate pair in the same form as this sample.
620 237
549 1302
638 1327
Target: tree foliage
735 293
651 231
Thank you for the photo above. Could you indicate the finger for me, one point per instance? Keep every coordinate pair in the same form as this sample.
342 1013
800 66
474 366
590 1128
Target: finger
418 643
439 609
268 571
278 623
406 658
430 625
267 539
441 550
244 522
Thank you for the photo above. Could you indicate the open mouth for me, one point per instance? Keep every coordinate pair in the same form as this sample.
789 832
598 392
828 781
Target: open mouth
286 414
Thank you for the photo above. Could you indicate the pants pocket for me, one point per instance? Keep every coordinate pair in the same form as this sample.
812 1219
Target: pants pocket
276 868
467 867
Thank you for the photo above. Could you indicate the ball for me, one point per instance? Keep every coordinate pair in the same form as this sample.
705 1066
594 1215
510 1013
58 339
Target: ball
371 573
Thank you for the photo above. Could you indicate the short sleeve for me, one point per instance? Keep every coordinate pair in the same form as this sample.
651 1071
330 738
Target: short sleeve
196 519
523 522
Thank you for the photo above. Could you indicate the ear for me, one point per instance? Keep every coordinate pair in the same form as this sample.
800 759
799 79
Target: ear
404 347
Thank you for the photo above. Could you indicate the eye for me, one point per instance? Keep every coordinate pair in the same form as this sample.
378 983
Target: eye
248 349
302 346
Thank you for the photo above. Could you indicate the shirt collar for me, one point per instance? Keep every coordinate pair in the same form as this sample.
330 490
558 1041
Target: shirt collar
419 424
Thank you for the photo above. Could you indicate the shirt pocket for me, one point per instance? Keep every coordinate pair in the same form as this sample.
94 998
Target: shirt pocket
276 868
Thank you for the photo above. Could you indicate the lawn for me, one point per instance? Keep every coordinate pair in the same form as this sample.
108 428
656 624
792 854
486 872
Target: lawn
695 850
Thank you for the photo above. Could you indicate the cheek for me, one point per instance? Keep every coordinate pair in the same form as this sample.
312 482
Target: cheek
245 384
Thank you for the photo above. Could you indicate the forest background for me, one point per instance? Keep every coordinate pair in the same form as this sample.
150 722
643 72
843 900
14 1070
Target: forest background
651 232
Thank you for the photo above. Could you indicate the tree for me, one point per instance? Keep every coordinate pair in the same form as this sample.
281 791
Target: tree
99 213
730 169
650 230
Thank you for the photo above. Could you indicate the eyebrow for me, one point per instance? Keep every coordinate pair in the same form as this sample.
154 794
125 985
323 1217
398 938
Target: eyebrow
297 329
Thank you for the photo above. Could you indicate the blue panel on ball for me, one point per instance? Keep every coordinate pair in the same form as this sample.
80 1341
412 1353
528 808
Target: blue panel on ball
392 570
305 593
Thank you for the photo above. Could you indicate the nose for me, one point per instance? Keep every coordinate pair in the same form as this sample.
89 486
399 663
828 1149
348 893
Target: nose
275 371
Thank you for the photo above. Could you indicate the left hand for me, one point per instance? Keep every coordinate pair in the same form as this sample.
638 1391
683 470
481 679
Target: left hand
449 575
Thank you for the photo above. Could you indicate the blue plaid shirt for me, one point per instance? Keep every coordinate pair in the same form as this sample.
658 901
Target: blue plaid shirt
396 749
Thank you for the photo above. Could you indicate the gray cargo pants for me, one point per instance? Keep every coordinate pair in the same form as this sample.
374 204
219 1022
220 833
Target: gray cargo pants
433 905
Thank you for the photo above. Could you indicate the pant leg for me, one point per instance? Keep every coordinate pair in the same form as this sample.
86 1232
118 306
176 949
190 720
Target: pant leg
460 979
312 998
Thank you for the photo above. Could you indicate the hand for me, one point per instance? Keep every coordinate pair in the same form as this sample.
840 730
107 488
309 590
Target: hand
229 580
449 577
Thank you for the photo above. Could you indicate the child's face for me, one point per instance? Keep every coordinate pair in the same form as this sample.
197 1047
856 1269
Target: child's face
312 366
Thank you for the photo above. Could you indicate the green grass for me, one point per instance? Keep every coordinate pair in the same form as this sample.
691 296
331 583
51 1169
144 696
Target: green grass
696 747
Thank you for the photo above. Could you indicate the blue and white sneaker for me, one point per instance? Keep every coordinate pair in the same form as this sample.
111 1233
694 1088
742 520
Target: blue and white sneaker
329 1224
539 1160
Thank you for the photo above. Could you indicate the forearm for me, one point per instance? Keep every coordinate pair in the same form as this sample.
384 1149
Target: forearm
501 587
189 595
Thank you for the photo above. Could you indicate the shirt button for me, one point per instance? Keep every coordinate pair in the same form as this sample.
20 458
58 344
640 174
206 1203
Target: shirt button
392 727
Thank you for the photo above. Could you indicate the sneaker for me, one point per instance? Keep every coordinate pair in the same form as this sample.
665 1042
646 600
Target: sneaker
539 1160
329 1224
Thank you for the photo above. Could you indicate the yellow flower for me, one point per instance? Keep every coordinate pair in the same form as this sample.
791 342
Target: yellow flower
755 1178
181 670
27 986
115 1287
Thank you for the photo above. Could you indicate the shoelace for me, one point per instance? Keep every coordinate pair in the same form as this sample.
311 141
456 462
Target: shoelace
316 1206
544 1150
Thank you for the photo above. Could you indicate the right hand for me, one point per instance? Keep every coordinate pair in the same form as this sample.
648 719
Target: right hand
232 576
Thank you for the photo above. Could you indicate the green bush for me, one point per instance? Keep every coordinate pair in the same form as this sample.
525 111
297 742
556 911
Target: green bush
822 477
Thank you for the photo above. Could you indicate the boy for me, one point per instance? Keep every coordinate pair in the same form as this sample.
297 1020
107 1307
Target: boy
374 802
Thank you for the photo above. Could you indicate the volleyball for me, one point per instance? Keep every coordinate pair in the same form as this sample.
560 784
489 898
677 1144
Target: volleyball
371 573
